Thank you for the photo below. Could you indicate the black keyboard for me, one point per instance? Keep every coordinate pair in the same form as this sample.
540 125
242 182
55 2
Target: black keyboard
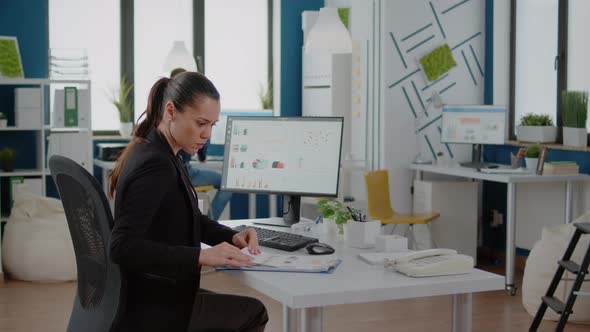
279 240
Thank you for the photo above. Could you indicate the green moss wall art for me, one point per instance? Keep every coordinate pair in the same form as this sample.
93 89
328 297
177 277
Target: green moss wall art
10 62
438 62
344 14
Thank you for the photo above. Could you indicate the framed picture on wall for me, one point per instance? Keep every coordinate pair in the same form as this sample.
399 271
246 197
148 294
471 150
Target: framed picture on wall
11 65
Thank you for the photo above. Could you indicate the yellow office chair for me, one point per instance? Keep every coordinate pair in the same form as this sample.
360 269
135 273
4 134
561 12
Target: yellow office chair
380 205
207 191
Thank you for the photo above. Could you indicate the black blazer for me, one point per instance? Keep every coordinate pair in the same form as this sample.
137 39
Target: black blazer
156 239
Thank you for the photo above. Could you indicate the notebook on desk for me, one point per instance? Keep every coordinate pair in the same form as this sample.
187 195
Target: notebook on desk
506 170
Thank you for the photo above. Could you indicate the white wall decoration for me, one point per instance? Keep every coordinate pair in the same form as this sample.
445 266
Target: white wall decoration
394 35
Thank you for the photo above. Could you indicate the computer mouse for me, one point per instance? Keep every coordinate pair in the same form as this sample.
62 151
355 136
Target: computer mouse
319 248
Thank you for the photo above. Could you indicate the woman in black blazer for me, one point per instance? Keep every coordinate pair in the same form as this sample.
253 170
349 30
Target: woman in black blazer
158 226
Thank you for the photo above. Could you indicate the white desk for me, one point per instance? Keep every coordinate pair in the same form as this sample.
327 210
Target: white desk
355 281
108 166
511 180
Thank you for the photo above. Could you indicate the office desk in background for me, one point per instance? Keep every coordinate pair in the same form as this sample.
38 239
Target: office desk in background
355 281
217 165
511 180
108 166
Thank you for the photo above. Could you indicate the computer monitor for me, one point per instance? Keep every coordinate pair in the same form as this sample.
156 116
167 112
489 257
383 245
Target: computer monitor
218 132
473 124
293 156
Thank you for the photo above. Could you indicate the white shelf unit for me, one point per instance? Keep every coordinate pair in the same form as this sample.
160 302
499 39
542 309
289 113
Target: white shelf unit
40 170
45 85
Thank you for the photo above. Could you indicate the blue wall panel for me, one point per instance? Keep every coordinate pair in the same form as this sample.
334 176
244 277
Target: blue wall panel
27 20
291 47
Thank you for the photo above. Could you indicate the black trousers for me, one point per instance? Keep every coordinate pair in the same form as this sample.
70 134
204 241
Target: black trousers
223 312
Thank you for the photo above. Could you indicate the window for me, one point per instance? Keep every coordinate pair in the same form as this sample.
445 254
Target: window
157 25
86 27
551 52
236 51
536 47
578 53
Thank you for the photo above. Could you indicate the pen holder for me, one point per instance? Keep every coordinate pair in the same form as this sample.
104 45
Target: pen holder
361 234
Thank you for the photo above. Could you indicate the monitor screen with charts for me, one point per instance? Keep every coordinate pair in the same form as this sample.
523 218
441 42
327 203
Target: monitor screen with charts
473 124
218 132
294 156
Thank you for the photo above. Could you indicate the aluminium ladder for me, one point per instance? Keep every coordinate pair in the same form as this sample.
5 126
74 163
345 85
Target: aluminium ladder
565 309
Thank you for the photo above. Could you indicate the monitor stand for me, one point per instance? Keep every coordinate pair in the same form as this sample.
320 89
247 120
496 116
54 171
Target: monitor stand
292 206
476 158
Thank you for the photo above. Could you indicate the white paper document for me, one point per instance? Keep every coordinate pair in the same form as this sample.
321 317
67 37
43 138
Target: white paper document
289 263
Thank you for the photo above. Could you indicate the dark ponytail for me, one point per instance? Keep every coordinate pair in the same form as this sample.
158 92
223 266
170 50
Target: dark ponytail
182 90
153 118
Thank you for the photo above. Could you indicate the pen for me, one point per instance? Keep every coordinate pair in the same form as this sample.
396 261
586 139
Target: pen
318 219
359 215
352 213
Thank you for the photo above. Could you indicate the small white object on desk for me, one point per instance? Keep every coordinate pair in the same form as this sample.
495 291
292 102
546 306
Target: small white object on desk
391 243
378 258
361 234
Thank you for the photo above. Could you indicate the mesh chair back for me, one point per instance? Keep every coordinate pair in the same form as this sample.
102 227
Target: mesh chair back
378 194
90 222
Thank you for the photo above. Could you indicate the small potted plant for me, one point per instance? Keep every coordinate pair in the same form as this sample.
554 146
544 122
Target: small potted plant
3 120
531 156
335 213
7 158
123 105
536 128
574 108
441 159
266 96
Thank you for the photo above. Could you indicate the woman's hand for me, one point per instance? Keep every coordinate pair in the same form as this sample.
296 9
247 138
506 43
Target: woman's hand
247 238
224 254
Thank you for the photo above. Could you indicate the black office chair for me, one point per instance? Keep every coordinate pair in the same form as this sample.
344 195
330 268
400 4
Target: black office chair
90 222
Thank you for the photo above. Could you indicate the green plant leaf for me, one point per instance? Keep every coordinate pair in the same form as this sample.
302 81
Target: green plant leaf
334 209
122 102
7 154
266 96
532 151
574 108
531 119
